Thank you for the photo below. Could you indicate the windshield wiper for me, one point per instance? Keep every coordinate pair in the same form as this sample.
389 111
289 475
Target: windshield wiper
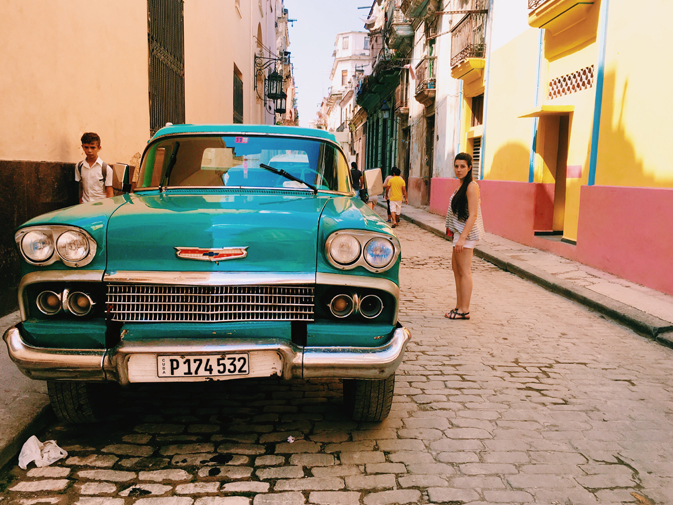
169 168
287 175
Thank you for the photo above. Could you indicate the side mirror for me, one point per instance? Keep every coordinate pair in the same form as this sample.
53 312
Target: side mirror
121 177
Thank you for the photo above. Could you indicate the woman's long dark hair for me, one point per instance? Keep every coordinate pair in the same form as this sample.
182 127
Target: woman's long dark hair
459 202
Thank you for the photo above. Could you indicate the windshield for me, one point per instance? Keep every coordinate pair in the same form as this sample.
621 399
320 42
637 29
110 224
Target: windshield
234 161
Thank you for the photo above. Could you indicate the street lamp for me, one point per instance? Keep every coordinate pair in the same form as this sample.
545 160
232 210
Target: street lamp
274 85
385 110
280 103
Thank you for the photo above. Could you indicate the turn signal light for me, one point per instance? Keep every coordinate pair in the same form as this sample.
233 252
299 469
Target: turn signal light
371 306
341 306
80 304
49 303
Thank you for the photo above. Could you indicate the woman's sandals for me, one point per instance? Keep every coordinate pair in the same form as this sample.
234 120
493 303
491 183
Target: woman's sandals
454 314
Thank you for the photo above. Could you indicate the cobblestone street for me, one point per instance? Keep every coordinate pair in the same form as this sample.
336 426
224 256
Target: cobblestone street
534 400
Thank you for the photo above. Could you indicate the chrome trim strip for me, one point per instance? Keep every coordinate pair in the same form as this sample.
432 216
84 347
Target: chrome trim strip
307 362
53 276
211 278
43 363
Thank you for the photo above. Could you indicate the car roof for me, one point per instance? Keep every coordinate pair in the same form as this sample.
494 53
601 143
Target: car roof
243 129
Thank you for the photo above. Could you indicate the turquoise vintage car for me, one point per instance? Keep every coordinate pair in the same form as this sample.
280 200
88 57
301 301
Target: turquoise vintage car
242 252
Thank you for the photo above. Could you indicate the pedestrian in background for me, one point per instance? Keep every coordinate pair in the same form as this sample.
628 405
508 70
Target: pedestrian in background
465 225
358 182
386 196
397 192
93 174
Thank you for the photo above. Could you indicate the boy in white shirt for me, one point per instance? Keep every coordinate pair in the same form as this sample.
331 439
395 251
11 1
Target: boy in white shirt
93 174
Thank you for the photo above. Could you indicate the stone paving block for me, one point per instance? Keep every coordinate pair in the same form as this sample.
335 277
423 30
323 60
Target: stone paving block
446 445
49 472
374 434
198 488
329 437
96 488
310 484
165 475
145 489
225 472
172 450
397 497
280 436
269 460
605 481
431 469
457 457
297 447
385 468
506 496
129 450
411 457
246 487
422 481
144 463
245 449
334 498
362 457
160 428
477 482
165 500
100 501
360 446
111 475
137 438
370 482
223 500
95 460
335 471
280 472
451 495
513 457
279 499
244 438
34 486
203 428
312 459
487 468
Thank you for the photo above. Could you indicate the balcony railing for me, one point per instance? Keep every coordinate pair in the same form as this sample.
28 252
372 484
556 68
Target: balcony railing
534 4
425 74
468 38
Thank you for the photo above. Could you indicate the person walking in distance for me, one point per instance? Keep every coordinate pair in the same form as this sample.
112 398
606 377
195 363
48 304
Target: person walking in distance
93 174
465 225
397 192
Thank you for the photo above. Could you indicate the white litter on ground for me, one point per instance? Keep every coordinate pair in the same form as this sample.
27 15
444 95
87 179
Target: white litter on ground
43 454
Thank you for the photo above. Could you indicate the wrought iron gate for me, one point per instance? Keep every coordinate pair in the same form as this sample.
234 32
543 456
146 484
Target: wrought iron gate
165 33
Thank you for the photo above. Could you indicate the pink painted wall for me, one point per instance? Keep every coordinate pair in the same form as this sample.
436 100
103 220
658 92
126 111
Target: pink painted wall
441 190
417 191
628 232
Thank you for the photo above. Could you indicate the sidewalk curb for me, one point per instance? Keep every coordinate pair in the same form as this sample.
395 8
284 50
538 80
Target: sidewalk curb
639 321
10 451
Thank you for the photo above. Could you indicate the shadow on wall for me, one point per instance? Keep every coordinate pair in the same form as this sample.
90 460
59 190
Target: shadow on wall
625 229
29 189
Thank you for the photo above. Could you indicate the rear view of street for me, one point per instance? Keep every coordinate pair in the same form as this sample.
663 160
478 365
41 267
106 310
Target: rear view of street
536 399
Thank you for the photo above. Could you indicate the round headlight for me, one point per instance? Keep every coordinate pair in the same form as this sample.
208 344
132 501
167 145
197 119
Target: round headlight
345 249
37 246
379 252
72 246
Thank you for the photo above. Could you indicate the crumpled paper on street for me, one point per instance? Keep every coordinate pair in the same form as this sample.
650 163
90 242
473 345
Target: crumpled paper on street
43 454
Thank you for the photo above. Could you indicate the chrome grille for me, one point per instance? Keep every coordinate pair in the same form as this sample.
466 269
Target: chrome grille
159 303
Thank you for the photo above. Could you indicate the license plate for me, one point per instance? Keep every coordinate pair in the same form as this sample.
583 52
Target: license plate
209 365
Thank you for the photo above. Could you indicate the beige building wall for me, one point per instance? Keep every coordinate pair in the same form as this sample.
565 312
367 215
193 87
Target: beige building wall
220 36
75 67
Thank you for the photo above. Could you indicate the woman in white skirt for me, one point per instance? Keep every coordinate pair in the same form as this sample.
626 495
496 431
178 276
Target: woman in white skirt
464 222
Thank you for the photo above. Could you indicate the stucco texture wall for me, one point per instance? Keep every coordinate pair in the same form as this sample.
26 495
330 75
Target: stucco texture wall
71 67
511 93
634 147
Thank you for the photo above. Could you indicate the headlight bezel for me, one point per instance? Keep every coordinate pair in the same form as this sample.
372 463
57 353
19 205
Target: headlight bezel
363 237
55 231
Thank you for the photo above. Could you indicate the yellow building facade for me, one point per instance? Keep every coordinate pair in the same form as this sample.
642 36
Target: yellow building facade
573 137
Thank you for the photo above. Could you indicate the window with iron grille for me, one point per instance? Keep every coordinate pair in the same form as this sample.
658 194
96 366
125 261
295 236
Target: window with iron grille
238 96
165 34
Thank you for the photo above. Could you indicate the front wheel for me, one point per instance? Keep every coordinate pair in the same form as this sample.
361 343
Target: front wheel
81 402
369 400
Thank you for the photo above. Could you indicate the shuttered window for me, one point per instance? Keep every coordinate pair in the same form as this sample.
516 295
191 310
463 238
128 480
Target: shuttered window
165 33
476 158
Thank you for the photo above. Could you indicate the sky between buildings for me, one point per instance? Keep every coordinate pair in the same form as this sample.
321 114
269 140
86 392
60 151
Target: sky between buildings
312 38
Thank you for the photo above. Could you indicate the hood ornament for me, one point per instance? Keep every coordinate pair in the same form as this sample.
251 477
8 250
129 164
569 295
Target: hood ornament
203 254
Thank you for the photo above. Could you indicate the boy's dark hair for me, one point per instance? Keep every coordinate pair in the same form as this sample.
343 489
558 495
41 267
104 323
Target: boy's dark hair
396 171
354 165
90 138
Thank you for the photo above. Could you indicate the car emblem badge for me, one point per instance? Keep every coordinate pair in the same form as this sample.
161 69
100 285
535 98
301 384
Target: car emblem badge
202 254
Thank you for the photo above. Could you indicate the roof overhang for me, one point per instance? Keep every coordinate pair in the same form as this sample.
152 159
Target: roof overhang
549 110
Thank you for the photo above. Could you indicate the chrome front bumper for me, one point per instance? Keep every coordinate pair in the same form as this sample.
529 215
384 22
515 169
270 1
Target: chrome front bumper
132 361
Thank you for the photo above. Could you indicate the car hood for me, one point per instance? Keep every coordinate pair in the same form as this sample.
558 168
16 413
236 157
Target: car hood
278 229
